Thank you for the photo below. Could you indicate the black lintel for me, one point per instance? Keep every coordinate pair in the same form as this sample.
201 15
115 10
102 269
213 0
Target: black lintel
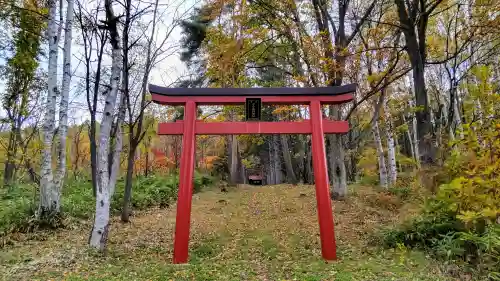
313 91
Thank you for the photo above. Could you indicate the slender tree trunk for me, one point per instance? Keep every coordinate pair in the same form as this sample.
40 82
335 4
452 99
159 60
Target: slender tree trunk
234 160
243 173
308 171
382 169
77 140
331 160
351 159
415 48
125 217
48 198
115 154
302 159
15 141
391 153
93 153
415 139
126 102
354 170
99 234
270 170
391 146
308 165
278 176
338 189
146 166
136 133
10 163
63 106
288 159
457 117
410 138
398 150
92 106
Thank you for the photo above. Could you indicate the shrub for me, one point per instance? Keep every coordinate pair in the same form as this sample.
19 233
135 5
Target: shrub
402 192
461 222
421 231
201 180
368 166
19 202
448 238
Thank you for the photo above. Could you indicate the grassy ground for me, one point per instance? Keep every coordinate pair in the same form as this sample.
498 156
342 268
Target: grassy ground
18 203
252 233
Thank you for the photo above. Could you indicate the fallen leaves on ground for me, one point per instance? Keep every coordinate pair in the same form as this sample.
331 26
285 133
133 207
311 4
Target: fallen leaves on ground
252 233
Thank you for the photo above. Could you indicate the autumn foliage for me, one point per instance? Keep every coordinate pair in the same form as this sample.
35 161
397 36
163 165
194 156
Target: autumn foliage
462 221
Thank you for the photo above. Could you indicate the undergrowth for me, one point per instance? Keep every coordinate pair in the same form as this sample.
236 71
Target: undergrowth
19 202
449 239
461 222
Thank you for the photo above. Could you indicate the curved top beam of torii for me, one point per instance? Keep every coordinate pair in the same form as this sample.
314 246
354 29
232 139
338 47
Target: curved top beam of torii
283 91
230 96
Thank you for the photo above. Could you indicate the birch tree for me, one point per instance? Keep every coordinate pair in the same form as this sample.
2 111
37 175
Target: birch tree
100 229
382 169
414 134
50 185
93 39
63 106
391 146
48 198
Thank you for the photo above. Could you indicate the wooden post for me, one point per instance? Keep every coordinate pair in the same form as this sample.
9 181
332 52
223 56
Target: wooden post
183 218
325 216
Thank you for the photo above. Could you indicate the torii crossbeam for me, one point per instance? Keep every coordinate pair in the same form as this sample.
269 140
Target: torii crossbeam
190 98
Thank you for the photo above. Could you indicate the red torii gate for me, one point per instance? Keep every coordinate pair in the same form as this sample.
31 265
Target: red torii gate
190 98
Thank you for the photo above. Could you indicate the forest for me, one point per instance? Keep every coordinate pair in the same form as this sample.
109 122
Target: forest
89 188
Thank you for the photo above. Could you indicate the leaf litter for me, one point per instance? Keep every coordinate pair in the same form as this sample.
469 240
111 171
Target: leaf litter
255 233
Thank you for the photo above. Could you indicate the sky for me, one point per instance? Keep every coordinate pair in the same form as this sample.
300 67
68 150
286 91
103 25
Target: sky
165 73
169 70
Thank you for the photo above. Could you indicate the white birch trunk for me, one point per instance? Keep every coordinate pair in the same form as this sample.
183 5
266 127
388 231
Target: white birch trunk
115 167
63 106
391 148
47 201
99 234
382 170
414 135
